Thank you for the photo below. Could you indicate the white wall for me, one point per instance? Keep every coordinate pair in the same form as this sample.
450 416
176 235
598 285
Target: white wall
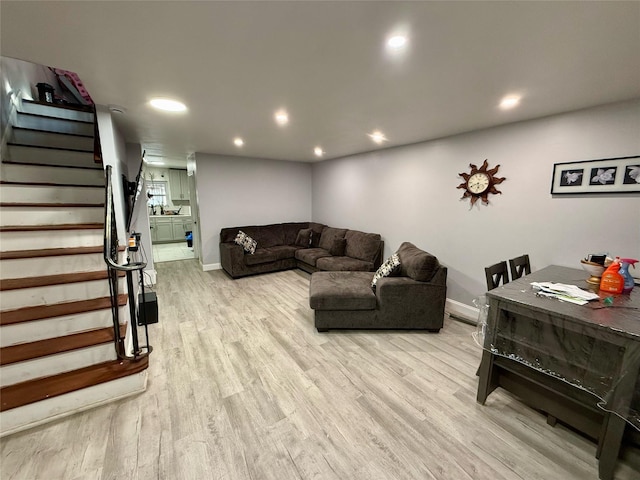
409 194
113 153
237 191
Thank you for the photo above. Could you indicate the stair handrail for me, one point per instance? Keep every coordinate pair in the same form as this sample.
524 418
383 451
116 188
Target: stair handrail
110 253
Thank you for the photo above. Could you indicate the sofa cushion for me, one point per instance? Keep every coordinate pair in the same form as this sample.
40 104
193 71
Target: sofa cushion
341 291
303 239
344 264
328 235
364 246
337 247
417 264
283 251
387 268
290 231
270 235
261 255
311 255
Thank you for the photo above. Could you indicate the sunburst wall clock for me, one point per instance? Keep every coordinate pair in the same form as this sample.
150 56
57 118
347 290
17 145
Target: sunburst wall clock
480 182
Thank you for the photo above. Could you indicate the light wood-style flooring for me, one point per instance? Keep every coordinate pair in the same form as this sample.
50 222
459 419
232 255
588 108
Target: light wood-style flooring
241 386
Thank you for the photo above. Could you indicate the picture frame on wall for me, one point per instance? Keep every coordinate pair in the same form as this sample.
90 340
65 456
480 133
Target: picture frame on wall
607 175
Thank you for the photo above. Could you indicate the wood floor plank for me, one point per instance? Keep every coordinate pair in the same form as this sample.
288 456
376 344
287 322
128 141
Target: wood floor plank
242 387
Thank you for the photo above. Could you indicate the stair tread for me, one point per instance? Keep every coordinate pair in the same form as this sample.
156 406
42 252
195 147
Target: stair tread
51 204
62 226
52 346
81 108
49 117
41 312
13 144
32 391
48 184
88 166
53 252
59 279
39 130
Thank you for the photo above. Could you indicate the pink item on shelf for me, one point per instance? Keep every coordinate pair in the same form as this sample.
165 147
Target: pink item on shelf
75 81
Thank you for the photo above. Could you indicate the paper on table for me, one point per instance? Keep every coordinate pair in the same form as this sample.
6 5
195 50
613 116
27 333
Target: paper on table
561 291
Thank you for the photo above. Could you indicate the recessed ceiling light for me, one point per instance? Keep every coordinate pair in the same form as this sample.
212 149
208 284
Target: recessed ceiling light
318 151
168 105
238 142
510 101
282 117
378 137
396 42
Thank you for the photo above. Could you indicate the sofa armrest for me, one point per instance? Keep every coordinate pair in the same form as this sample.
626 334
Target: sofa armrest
410 302
232 259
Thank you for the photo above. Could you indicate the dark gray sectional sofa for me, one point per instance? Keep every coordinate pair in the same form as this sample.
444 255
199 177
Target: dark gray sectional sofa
284 246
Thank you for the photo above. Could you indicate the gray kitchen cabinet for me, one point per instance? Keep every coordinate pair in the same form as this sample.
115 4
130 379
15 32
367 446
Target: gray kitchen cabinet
179 185
166 229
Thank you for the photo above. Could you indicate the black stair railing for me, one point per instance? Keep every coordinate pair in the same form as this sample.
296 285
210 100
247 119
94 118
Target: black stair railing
114 268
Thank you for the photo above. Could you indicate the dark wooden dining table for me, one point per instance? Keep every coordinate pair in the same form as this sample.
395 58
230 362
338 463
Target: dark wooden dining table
577 363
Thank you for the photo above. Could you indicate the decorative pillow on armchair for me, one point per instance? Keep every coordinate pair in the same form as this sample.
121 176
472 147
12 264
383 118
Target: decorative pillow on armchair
246 242
387 268
304 238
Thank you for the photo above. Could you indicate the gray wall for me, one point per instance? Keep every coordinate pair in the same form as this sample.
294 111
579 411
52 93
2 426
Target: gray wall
236 191
409 194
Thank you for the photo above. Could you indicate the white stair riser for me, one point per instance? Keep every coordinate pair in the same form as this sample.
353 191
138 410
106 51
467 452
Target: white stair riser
51 124
63 176
49 139
69 292
32 415
12 241
50 194
24 154
57 112
50 215
55 364
39 266
33 331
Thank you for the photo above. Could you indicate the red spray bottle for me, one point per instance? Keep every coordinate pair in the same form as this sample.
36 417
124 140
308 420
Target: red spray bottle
612 281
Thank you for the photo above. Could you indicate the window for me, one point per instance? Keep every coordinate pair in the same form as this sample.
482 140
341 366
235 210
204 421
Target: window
157 191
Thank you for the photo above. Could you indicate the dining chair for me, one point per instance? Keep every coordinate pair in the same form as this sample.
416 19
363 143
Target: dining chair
519 266
495 274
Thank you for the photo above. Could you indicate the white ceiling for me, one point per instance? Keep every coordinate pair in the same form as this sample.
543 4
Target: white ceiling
235 63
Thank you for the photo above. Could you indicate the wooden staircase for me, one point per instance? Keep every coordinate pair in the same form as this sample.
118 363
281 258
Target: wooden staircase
57 349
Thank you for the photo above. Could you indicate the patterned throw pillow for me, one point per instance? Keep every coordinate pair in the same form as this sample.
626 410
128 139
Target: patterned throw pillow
239 240
386 269
246 242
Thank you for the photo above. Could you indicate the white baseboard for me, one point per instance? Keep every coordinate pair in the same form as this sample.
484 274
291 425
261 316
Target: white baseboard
211 266
462 311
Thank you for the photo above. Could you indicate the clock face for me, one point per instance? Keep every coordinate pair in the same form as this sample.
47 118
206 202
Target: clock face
478 183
